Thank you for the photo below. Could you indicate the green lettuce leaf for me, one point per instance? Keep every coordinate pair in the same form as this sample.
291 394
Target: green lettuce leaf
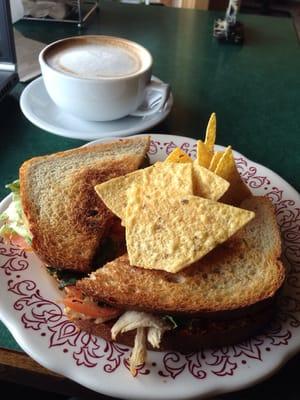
65 277
13 215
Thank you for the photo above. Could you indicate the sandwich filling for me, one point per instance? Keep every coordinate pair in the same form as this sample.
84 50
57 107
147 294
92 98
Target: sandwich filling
14 228
148 327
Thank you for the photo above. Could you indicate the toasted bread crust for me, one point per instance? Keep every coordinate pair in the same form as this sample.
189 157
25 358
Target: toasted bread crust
201 292
234 276
192 335
108 150
65 216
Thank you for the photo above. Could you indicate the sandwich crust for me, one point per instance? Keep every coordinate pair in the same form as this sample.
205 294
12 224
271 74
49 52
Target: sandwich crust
67 219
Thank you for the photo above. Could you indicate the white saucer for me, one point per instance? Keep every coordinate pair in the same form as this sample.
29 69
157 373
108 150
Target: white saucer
38 107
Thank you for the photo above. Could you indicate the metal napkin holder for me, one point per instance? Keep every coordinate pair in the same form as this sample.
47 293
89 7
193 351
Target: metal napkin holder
80 11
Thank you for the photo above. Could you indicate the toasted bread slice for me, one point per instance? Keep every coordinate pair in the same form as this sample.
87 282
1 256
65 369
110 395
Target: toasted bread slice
66 218
236 275
263 236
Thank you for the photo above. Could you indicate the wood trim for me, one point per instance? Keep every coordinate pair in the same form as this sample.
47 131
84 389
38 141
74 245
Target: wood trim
20 369
199 4
22 361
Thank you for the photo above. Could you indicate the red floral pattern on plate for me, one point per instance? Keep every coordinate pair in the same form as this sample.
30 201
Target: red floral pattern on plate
45 317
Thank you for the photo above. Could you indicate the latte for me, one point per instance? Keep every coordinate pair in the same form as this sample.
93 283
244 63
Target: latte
96 77
93 58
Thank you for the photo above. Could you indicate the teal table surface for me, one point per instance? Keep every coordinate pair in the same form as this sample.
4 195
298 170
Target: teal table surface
254 89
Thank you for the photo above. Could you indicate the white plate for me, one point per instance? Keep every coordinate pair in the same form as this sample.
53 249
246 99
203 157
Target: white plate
38 107
30 308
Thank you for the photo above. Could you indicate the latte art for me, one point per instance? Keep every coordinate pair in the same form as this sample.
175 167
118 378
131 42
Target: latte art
95 61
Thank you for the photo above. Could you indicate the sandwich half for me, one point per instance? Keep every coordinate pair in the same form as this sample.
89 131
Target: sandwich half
221 299
67 224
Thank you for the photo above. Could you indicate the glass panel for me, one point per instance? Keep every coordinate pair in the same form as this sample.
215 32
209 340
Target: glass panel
7 48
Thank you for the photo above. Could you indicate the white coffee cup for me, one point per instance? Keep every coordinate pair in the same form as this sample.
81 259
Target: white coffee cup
99 78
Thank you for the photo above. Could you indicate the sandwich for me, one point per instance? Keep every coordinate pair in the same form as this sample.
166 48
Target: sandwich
221 299
56 211
202 266
174 256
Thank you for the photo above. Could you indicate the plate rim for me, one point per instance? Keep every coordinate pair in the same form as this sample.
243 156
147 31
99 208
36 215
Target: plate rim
221 387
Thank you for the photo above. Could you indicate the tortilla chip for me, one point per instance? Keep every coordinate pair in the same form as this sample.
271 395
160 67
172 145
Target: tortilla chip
113 192
178 156
170 233
204 155
169 178
238 190
207 184
210 136
215 160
